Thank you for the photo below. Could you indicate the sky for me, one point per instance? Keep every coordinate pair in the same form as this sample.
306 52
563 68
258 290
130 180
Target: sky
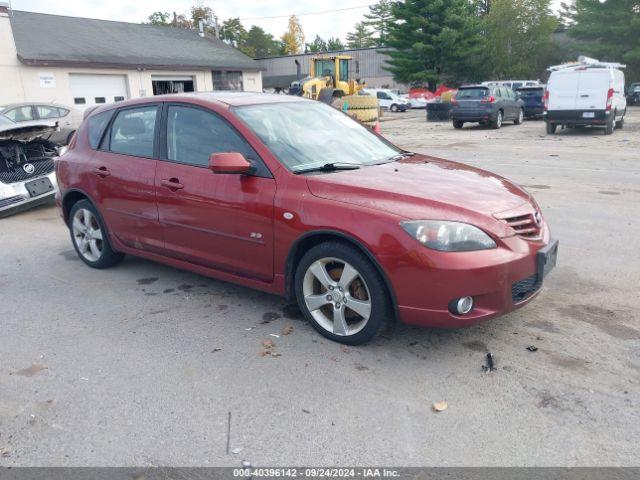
328 24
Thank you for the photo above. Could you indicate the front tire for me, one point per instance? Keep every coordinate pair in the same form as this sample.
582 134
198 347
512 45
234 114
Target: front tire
458 124
341 293
90 237
393 108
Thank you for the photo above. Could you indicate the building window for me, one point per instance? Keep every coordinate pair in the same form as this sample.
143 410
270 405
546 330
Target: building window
164 85
227 80
118 99
79 101
100 100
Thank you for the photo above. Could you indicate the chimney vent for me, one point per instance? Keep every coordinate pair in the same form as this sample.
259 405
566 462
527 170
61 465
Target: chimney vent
201 28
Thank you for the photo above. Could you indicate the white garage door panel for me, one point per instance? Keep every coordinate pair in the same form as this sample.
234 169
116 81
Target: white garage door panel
92 87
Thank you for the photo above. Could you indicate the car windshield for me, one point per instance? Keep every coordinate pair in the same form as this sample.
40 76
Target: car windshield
472 93
304 135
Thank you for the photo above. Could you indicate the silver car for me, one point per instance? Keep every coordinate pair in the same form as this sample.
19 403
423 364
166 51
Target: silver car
68 119
27 176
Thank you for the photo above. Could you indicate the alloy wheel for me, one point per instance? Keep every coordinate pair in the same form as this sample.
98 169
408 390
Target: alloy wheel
337 296
87 235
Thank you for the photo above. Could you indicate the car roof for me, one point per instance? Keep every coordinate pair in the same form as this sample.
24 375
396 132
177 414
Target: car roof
24 104
221 98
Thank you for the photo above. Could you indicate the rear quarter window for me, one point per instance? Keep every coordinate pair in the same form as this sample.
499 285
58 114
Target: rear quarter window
96 125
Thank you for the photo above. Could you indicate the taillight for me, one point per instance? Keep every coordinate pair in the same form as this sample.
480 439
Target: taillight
545 100
489 99
609 98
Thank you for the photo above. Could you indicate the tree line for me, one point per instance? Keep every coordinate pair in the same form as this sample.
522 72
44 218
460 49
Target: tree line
455 41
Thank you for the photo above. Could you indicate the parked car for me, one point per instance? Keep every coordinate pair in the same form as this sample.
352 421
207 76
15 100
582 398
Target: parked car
585 93
68 119
512 84
414 102
533 98
388 99
245 187
633 94
27 178
486 105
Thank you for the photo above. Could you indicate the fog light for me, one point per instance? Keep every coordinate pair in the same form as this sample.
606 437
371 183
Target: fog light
461 306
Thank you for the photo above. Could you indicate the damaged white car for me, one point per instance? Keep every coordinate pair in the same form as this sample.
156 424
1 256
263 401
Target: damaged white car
27 176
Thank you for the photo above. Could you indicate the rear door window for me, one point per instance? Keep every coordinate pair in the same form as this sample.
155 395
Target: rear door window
133 131
45 111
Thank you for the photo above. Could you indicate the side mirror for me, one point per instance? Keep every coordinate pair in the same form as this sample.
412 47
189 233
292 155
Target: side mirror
229 162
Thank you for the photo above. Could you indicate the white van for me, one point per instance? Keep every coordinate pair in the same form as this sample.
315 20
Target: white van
388 99
588 92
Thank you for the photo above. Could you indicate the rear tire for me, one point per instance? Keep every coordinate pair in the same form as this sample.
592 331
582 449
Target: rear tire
611 125
620 123
458 124
497 123
90 237
520 117
326 297
551 128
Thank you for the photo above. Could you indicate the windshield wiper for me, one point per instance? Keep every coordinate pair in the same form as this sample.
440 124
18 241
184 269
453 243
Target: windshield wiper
330 167
401 155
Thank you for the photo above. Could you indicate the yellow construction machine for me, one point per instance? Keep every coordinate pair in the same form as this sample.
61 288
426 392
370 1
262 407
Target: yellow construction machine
329 81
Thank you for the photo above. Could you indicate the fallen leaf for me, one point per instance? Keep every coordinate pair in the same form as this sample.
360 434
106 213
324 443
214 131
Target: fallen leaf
5 452
275 354
439 406
31 371
215 350
287 329
345 349
268 344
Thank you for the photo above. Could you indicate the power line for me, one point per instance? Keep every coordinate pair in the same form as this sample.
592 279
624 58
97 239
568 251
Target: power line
308 13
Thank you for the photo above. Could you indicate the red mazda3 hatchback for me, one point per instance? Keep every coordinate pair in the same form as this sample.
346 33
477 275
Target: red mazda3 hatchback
293 197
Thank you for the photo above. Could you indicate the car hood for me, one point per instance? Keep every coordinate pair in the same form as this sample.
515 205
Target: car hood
27 131
422 187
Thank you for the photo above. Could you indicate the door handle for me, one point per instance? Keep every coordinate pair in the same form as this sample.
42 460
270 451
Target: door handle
172 184
101 172
584 96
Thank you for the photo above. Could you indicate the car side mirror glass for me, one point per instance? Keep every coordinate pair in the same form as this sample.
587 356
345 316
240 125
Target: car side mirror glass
229 163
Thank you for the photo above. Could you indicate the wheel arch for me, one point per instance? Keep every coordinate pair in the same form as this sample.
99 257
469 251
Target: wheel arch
70 198
310 239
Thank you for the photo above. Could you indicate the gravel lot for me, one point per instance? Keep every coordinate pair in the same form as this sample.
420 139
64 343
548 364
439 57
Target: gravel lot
144 365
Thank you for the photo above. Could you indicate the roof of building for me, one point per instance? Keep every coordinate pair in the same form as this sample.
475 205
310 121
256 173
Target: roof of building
43 39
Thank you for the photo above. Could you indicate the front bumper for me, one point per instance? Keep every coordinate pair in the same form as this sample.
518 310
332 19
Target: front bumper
14 197
500 280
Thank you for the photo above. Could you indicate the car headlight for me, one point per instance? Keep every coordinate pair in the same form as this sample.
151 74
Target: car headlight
448 236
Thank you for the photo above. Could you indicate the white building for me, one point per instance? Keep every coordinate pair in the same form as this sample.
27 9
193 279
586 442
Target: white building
83 62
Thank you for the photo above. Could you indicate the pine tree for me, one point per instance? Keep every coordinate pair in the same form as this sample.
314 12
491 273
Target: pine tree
293 38
334 44
378 19
360 37
609 31
435 41
318 45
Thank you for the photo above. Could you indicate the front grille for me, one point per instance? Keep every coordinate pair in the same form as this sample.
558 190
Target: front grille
524 226
5 202
17 173
523 289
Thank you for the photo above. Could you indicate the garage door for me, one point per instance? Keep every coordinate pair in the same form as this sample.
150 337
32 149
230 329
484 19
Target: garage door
89 90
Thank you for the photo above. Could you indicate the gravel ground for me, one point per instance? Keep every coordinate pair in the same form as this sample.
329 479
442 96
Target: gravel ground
144 364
